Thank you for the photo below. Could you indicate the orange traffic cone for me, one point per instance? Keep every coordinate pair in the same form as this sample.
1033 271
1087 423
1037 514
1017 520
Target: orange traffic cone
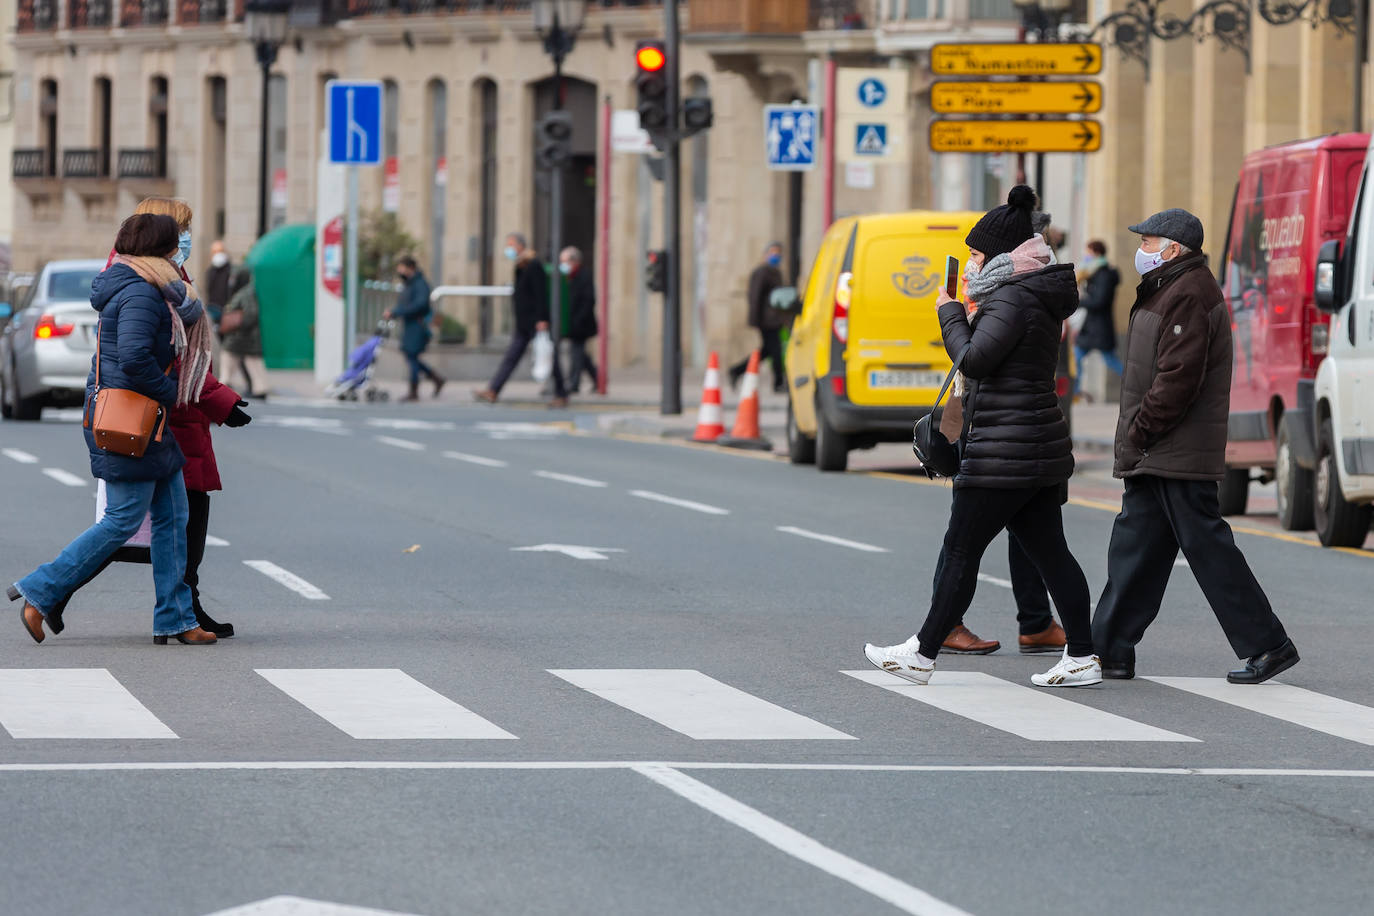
746 432
710 420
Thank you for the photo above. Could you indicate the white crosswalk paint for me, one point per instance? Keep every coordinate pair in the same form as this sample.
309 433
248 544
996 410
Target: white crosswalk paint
1297 705
15 454
831 539
388 423
572 479
993 580
73 703
401 443
212 541
380 703
1031 713
680 503
697 705
288 579
66 478
794 843
477 460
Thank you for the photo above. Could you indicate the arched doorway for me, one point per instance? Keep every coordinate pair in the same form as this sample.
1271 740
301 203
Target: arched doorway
579 174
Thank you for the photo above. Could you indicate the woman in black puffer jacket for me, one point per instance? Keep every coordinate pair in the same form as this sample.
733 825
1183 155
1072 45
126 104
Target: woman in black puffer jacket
1017 456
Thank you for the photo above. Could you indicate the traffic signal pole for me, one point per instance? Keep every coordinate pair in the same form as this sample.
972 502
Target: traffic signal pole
671 397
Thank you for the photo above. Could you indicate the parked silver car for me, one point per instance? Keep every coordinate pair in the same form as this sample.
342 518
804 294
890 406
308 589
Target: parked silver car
45 350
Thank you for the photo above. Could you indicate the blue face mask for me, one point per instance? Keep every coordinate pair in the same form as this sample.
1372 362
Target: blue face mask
183 249
511 253
565 268
774 260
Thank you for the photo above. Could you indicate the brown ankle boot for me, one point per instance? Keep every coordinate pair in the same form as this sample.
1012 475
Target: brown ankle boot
192 637
413 395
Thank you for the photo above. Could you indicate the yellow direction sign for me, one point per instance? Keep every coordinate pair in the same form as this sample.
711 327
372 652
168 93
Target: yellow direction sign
1016 59
1015 136
1083 97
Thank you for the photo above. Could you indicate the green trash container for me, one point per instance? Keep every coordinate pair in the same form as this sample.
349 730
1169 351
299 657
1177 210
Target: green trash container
283 264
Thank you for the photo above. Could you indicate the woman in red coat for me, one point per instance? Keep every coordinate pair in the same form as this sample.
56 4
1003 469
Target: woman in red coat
190 425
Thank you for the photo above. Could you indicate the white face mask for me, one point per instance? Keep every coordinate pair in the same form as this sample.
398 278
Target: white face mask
219 259
1146 261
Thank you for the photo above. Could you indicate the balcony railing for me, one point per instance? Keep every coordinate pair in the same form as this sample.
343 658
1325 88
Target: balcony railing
94 14
133 13
192 12
837 15
749 17
82 163
36 16
31 163
142 163
361 8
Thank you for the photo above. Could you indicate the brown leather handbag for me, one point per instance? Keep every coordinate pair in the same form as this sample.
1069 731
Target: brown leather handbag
122 421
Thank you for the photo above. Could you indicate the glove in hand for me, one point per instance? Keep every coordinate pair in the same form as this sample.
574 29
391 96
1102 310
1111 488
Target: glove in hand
238 417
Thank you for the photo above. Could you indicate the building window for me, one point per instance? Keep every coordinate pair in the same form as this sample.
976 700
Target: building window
102 121
217 151
998 10
486 239
157 123
47 113
438 175
277 132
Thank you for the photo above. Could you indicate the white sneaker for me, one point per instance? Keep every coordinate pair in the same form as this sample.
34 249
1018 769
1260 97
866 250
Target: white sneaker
899 660
1069 673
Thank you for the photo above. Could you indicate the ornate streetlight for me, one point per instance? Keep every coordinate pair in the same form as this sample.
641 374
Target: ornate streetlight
266 22
557 22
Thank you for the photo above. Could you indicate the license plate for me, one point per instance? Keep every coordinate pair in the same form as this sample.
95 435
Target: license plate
895 378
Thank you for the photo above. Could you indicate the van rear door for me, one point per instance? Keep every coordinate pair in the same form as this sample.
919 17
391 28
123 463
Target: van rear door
896 356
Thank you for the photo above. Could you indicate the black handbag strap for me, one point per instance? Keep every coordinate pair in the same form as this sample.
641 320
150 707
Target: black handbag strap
949 379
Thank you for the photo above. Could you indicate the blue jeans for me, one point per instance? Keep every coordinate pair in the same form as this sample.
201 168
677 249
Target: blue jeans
1108 356
418 368
127 503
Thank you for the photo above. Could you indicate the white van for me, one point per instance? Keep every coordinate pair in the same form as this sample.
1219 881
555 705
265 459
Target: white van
1341 398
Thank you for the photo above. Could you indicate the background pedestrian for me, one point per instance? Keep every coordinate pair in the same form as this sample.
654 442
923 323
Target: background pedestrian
582 325
1098 334
216 282
243 333
1171 451
413 308
530 300
768 321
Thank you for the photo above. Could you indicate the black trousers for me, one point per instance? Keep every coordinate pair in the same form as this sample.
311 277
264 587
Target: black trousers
197 529
519 343
1034 517
1033 613
770 348
1160 516
582 365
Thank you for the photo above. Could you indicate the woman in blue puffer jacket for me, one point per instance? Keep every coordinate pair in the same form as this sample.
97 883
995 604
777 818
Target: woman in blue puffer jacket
149 318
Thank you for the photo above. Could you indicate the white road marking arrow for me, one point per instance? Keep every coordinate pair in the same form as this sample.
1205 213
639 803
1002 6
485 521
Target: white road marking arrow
299 906
572 550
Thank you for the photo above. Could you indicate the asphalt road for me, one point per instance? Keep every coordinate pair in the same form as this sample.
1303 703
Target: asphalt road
422 715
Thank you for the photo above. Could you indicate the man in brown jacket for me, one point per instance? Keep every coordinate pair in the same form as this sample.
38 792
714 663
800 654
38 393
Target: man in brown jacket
1171 451
765 319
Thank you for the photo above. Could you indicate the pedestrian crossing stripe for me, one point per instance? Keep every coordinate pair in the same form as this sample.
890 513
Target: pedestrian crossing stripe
388 704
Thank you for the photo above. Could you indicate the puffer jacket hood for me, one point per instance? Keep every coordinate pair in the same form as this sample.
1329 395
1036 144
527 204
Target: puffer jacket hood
1017 435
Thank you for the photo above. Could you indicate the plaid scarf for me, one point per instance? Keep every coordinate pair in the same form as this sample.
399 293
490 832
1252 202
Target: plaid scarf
191 340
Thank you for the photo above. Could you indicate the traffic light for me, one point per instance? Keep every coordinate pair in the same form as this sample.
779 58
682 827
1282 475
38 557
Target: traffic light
651 88
697 115
553 138
656 271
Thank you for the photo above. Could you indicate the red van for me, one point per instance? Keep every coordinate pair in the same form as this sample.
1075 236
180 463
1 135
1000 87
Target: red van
1289 200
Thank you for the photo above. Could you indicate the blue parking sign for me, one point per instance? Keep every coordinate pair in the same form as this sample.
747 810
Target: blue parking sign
791 133
354 118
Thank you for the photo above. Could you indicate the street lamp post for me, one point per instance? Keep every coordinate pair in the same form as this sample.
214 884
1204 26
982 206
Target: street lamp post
266 24
1041 18
557 22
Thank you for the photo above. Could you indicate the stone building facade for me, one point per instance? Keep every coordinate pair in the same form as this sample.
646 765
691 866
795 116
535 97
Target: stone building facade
119 100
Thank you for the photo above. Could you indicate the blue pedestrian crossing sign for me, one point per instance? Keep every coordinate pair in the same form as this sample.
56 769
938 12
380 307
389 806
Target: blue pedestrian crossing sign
870 140
872 93
790 135
353 113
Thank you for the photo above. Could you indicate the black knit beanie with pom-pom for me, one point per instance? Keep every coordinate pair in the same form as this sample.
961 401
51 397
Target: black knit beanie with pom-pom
1003 229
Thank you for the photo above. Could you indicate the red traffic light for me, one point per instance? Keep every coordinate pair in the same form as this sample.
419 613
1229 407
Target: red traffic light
650 58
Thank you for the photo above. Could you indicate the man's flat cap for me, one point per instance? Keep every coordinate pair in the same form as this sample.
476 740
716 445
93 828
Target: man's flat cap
1176 225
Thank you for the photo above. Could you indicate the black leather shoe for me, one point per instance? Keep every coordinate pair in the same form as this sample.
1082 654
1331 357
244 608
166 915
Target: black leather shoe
1118 671
1265 665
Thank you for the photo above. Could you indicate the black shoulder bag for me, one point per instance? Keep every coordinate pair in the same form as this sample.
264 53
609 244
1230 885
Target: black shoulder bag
938 456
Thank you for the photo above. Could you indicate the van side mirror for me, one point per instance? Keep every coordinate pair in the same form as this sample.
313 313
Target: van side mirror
1328 276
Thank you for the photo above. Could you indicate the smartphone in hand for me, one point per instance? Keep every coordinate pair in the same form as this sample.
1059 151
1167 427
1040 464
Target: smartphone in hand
952 277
